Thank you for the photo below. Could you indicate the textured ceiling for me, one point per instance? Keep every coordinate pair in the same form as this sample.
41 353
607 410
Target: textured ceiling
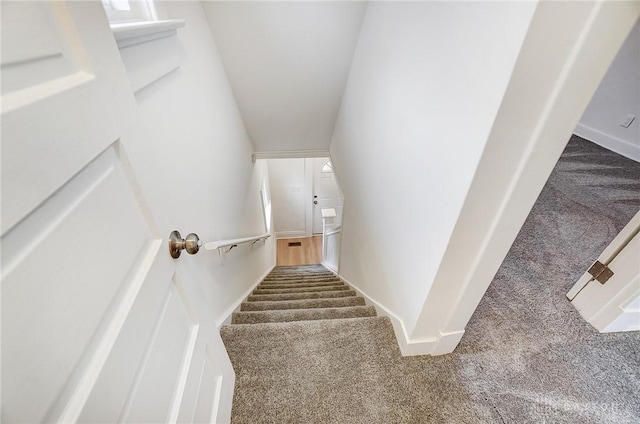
288 64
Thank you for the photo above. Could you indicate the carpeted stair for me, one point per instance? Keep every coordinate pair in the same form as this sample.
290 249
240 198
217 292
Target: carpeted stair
297 346
299 293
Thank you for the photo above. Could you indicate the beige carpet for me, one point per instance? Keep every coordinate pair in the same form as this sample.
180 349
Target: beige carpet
526 357
318 358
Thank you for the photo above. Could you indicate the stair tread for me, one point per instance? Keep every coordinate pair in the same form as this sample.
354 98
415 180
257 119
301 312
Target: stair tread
304 325
302 303
281 271
280 282
300 281
301 295
291 315
302 269
320 371
298 276
295 285
301 289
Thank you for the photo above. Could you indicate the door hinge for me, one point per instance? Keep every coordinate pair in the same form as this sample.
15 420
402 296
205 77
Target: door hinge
600 272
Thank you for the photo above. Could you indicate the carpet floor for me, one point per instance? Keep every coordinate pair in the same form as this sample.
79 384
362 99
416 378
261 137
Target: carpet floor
318 355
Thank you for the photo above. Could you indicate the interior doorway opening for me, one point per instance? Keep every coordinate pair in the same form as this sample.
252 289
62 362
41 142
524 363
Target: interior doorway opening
306 200
300 189
591 195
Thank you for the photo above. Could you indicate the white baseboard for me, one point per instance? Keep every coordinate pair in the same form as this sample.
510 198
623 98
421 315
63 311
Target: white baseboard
331 267
236 306
290 234
407 346
447 342
609 142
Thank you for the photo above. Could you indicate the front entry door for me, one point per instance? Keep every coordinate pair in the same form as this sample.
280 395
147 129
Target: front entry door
326 193
96 324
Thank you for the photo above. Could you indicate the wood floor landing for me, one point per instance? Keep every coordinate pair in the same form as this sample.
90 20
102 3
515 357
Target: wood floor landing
308 252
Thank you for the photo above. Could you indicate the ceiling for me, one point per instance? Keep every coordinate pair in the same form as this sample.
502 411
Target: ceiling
288 64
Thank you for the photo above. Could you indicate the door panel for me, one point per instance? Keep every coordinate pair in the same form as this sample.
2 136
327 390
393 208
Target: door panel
57 112
203 386
328 194
107 397
628 317
158 390
63 275
36 53
96 324
208 393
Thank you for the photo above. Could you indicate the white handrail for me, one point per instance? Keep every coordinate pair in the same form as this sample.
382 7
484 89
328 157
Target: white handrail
213 245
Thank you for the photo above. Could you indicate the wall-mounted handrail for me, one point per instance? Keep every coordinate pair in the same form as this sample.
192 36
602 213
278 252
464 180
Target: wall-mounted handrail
192 243
221 244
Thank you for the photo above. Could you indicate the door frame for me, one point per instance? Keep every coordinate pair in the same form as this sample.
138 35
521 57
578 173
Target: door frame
596 302
501 197
308 195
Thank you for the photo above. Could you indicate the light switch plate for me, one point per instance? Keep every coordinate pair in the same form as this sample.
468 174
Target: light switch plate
628 121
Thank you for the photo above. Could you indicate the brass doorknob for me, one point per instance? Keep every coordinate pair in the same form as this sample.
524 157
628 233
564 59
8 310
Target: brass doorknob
191 244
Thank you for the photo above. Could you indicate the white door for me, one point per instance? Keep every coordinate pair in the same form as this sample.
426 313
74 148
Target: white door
96 323
615 304
326 193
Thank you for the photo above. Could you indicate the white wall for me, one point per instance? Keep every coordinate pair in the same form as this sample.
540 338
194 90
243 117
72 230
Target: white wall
425 86
568 47
288 196
617 96
197 173
288 63
200 155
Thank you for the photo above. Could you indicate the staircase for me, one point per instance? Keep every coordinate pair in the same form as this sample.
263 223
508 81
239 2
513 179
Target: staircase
299 293
306 349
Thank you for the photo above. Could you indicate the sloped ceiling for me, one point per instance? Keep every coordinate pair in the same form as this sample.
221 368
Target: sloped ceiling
288 64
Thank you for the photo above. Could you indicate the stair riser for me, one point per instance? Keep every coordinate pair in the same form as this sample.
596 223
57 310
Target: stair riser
303 273
302 315
300 281
289 276
302 304
296 296
300 268
297 285
300 290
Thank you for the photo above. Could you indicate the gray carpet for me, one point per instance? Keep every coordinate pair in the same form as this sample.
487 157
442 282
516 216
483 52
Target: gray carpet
526 357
